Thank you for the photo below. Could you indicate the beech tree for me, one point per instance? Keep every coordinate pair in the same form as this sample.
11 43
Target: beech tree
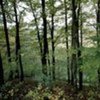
33 9
75 41
67 42
5 30
45 42
98 33
52 28
17 43
80 46
1 72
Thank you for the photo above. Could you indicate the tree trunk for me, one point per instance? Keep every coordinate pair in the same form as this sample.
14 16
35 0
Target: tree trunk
6 31
74 45
37 29
75 41
1 72
52 42
45 42
80 58
17 43
38 34
67 44
98 33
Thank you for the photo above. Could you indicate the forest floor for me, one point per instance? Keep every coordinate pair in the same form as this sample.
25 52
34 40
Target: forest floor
32 90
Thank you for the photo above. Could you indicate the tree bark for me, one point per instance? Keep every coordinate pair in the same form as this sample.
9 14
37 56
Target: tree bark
75 42
1 72
38 32
17 43
74 45
80 58
45 42
52 42
6 31
67 43
98 33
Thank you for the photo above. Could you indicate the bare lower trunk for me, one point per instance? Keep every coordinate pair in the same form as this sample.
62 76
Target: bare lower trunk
53 47
45 42
6 31
67 44
1 72
17 43
98 34
80 58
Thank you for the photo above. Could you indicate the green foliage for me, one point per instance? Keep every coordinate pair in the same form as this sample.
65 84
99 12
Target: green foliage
30 52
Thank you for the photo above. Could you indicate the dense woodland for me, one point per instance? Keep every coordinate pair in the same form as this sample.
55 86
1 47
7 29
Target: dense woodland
49 49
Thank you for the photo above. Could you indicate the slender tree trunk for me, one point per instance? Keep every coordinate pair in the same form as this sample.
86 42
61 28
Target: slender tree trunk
52 42
1 72
6 31
38 34
74 45
53 48
37 29
40 40
45 42
18 47
67 44
98 33
80 58
75 41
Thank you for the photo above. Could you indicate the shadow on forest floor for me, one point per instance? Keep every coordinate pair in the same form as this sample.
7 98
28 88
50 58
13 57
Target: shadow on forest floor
32 90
